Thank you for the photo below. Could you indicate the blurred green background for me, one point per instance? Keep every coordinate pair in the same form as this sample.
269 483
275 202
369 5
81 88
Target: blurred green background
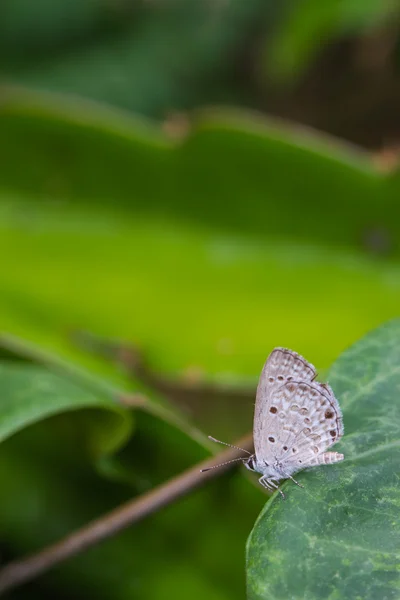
191 183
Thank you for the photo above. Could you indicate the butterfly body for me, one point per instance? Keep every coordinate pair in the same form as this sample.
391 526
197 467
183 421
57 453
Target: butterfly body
296 419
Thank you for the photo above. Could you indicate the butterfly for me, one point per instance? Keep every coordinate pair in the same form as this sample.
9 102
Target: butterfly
296 420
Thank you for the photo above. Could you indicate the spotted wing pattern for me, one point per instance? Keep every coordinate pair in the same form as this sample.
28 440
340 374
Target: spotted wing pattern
282 366
304 420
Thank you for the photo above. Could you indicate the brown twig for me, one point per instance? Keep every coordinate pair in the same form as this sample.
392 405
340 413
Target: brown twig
20 571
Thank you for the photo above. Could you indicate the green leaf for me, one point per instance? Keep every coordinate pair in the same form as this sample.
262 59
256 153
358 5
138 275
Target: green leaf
90 389
338 537
30 393
111 216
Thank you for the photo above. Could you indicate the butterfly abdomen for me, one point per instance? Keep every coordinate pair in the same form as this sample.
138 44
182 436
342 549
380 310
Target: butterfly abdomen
327 458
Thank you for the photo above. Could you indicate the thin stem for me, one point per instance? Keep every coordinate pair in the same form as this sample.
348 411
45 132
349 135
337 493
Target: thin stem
20 571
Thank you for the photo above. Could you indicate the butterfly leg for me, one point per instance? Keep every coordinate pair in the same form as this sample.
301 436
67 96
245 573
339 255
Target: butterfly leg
265 483
296 482
277 488
270 485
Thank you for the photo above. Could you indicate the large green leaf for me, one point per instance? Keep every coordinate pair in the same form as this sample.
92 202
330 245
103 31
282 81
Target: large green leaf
339 537
205 252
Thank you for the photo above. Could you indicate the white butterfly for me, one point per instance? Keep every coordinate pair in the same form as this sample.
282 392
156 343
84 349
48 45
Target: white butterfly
295 420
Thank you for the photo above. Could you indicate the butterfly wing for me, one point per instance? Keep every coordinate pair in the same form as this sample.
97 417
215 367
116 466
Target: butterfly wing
307 422
282 367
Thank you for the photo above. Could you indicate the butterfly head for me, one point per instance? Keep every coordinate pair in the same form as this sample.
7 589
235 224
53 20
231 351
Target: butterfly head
250 463
268 470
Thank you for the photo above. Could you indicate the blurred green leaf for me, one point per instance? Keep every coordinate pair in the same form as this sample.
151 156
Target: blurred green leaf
339 537
308 25
30 393
149 57
28 30
31 406
204 252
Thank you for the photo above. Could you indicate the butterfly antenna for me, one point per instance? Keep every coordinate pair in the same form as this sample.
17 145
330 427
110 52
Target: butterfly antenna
222 464
230 445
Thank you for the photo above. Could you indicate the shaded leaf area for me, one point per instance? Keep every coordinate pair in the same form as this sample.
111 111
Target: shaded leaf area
235 207
339 537
126 53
